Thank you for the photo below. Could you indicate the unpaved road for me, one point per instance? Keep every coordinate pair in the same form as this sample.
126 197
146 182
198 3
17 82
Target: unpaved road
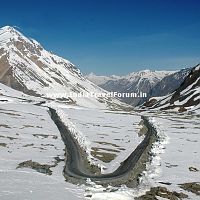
76 169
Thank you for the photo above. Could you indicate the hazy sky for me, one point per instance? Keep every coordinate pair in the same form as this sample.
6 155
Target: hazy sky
112 36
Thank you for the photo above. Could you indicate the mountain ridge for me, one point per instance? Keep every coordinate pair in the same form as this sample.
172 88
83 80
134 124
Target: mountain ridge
185 97
136 82
26 66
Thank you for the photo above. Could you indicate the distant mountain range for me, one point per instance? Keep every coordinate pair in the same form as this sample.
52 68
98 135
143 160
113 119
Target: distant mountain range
26 66
153 83
100 80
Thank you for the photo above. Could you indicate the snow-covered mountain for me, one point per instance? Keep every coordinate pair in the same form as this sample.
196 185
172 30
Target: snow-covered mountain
135 82
36 156
26 66
185 97
8 95
169 83
100 80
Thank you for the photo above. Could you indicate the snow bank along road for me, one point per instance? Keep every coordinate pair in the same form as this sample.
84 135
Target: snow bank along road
77 171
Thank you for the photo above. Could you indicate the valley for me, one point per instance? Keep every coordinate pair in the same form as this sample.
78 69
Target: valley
58 147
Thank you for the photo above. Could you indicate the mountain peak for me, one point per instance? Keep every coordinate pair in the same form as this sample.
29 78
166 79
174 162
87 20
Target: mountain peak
91 74
12 40
146 70
8 28
8 33
26 66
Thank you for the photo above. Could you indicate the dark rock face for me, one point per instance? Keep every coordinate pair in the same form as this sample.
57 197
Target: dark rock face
125 86
191 80
184 97
162 192
191 187
169 83
41 168
190 84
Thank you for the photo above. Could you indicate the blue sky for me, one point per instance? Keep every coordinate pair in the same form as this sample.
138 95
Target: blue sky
112 36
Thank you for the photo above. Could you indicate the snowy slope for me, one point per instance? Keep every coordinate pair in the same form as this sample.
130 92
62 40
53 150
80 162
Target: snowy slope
8 94
176 155
107 137
175 161
152 76
26 66
186 97
169 83
27 133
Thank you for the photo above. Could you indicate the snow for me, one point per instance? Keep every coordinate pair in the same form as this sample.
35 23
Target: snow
34 139
30 185
198 67
158 148
152 76
34 133
188 89
188 95
100 80
46 73
7 34
106 131
194 93
78 135
11 95
29 134
98 192
175 153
